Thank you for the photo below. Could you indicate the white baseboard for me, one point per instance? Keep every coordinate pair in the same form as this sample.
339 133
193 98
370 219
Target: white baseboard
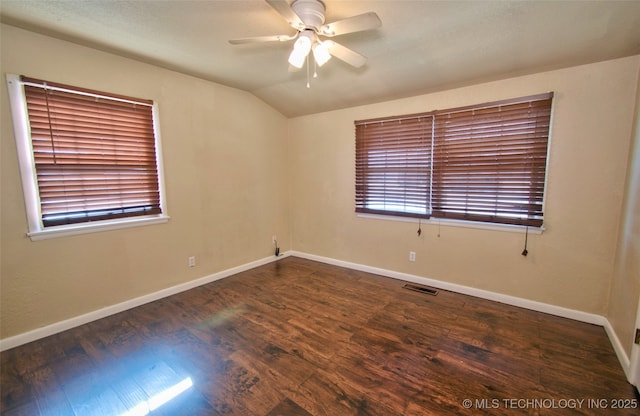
625 362
497 297
57 327
466 290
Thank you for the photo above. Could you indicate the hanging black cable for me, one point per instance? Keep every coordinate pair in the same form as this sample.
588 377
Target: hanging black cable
526 238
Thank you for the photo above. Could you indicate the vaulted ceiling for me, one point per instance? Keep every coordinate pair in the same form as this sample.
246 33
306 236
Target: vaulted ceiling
421 47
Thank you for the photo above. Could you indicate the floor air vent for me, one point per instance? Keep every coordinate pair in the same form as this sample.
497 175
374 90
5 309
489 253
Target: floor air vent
421 289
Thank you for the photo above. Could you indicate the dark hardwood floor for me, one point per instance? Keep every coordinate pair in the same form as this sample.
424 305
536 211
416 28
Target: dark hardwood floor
296 337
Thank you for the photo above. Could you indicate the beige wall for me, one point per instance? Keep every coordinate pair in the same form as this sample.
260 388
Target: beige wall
569 265
225 172
237 172
625 286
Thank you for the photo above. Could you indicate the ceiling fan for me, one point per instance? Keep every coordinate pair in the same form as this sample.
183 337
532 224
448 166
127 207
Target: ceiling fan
307 17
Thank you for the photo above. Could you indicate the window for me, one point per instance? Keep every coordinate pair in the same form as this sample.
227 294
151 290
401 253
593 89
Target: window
86 157
393 165
480 163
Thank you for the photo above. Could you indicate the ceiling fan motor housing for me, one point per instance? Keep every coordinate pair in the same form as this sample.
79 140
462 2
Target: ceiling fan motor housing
311 12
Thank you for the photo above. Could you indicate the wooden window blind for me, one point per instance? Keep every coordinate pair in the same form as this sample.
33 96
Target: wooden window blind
489 161
484 162
94 153
393 158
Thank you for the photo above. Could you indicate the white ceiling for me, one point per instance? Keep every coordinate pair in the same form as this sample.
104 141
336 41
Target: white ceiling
422 46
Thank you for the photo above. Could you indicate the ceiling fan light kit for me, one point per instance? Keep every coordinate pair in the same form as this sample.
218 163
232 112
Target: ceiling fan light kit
321 52
308 17
301 49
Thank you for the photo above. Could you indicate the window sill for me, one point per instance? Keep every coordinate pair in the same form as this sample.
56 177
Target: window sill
87 228
457 223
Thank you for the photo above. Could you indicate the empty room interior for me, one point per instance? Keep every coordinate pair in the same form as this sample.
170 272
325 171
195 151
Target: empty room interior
309 239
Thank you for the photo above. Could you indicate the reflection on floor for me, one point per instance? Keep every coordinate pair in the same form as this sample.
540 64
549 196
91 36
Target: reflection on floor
302 338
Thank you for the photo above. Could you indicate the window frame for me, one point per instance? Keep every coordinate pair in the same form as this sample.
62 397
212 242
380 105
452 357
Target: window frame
26 162
472 220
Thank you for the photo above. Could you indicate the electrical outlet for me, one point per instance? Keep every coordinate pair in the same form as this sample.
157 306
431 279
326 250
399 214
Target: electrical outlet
412 256
192 261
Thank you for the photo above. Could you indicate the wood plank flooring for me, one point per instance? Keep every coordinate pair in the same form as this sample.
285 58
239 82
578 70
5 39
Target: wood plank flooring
296 337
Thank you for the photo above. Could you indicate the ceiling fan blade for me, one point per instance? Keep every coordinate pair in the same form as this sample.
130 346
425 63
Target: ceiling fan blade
365 21
345 54
261 39
285 10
